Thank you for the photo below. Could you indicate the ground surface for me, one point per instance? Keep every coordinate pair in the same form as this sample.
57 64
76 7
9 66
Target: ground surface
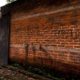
14 73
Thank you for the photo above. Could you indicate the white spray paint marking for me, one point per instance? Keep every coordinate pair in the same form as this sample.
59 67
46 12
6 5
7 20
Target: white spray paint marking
48 13
47 48
18 45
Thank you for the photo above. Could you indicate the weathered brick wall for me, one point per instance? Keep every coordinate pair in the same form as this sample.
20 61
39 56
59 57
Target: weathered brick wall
44 35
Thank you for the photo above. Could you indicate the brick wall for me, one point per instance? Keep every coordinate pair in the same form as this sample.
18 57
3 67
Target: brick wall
44 35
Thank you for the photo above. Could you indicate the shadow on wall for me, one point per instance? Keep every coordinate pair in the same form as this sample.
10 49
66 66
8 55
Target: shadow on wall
32 4
47 2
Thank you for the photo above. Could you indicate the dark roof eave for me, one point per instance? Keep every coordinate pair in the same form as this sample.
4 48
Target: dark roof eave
4 9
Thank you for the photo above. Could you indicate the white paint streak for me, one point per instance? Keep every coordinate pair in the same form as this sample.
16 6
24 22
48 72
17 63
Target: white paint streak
47 48
48 13
18 45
